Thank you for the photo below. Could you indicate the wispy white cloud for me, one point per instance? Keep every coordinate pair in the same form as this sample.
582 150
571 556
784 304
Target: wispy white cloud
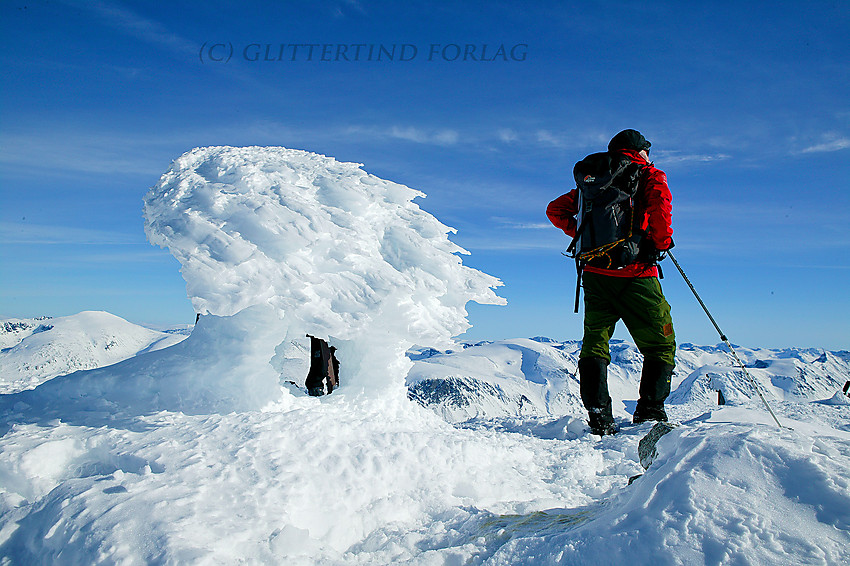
138 254
579 139
427 136
494 242
89 149
510 234
546 137
435 137
343 8
676 157
829 142
519 225
90 152
507 135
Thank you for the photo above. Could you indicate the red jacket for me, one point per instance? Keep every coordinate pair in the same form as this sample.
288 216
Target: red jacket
653 205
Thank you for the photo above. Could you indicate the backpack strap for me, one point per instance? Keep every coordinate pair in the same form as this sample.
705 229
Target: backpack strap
571 250
585 208
579 269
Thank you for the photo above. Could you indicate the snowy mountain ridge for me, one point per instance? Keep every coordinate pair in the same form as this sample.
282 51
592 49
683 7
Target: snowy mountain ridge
509 378
38 349
538 377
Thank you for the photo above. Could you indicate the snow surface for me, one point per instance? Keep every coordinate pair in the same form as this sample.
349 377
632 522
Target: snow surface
202 453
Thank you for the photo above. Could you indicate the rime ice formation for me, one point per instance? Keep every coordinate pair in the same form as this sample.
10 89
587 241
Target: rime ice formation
321 245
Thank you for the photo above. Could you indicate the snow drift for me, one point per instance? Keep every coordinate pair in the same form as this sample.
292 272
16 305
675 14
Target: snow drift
720 493
307 481
222 366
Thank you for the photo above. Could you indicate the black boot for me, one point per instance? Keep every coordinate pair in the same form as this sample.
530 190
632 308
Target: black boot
593 379
601 422
644 412
654 388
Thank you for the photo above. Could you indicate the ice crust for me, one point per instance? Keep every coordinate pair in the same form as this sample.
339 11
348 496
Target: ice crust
314 245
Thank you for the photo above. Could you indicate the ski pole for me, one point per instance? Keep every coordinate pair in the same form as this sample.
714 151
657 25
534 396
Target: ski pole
725 340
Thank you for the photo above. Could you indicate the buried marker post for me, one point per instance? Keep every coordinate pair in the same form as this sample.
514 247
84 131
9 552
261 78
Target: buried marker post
725 340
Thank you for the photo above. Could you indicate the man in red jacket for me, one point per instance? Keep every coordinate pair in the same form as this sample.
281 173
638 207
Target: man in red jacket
631 293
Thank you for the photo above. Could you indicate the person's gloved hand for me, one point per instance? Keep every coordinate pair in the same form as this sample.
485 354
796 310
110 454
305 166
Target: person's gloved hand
658 255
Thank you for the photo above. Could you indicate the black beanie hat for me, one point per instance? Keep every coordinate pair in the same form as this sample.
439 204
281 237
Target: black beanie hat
628 139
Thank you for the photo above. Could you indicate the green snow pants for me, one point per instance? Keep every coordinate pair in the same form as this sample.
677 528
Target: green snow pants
639 302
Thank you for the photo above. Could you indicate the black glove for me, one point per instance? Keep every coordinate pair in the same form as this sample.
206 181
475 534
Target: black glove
658 255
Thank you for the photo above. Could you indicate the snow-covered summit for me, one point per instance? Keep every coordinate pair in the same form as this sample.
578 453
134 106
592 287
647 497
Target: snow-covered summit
309 481
274 244
195 453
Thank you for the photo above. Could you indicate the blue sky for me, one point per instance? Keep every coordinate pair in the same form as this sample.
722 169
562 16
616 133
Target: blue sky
745 104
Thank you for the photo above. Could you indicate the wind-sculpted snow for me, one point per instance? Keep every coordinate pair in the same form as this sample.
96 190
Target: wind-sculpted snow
719 493
323 246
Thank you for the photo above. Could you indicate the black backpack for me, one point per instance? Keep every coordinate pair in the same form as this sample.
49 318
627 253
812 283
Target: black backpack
608 233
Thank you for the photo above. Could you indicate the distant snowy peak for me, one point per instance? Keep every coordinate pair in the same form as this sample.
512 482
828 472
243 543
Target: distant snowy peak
508 378
13 330
35 350
792 374
538 377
